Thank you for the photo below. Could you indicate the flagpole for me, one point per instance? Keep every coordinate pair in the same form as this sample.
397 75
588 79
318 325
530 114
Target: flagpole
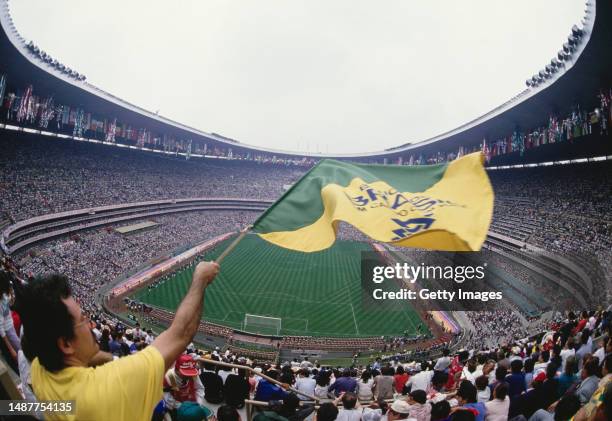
233 244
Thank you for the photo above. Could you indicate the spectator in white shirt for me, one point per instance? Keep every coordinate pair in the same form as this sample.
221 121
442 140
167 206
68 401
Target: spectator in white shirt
305 384
421 380
444 361
364 386
498 407
350 410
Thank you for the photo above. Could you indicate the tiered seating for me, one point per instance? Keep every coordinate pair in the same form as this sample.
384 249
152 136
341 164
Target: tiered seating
323 343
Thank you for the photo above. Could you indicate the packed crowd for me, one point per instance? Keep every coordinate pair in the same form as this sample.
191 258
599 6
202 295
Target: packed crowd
41 176
93 258
570 206
493 327
559 374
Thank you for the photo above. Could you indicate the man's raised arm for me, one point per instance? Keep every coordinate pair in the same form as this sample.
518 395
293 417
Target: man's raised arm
173 341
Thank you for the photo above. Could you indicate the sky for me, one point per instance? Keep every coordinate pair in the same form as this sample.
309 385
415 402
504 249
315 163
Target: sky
335 76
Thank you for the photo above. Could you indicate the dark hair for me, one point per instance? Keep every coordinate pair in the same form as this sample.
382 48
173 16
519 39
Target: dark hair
440 410
500 373
608 363
290 404
399 369
227 413
349 400
482 382
5 282
326 412
551 370
387 371
273 374
46 319
383 405
467 391
501 391
419 395
566 408
529 365
463 415
323 378
446 352
439 379
591 367
209 366
584 338
366 375
516 366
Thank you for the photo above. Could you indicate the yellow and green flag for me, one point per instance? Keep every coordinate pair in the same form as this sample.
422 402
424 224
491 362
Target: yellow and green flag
438 207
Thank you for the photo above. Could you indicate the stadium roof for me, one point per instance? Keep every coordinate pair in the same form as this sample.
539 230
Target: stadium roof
580 75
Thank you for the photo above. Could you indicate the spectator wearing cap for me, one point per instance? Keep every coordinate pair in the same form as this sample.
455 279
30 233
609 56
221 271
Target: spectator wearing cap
399 410
182 384
191 411
63 349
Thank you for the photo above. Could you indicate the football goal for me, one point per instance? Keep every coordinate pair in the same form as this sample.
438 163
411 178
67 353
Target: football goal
263 325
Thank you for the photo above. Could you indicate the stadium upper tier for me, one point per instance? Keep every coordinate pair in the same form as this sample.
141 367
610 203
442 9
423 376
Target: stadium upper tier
571 81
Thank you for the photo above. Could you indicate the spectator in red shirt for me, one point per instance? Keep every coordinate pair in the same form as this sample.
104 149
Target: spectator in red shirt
400 379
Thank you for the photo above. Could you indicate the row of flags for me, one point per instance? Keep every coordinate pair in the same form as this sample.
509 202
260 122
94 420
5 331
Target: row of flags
25 107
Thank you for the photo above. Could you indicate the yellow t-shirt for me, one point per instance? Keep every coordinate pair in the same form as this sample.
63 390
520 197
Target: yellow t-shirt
125 389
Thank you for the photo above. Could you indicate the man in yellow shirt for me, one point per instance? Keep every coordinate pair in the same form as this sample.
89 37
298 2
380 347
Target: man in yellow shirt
63 348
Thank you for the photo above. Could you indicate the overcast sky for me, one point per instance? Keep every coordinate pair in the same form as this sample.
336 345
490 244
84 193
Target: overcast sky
315 75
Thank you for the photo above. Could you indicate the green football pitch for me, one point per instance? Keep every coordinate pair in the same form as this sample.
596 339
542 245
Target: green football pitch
314 294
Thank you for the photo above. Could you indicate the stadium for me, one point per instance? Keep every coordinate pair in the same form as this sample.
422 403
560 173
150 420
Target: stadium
125 203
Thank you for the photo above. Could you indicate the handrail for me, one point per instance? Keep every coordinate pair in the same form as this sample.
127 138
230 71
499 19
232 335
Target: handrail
251 370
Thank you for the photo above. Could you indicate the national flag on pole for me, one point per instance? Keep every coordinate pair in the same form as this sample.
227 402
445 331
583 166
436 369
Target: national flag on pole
439 207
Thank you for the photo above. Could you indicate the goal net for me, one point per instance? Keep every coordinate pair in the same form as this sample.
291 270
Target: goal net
262 325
